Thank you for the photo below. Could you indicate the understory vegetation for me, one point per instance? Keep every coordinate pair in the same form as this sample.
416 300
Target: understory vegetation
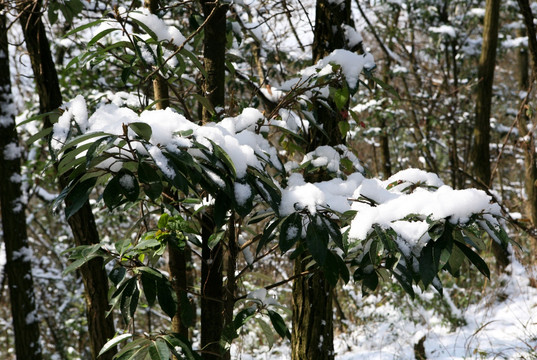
310 179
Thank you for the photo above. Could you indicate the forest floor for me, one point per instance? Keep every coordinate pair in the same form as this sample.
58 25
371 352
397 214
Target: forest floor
500 324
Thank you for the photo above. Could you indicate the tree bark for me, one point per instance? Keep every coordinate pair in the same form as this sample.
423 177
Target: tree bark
12 206
528 145
312 335
82 223
312 332
487 62
481 149
212 291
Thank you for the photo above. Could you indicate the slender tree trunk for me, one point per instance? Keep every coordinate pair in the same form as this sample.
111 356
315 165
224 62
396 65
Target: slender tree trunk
82 223
530 156
481 149
177 262
12 205
212 304
312 332
487 62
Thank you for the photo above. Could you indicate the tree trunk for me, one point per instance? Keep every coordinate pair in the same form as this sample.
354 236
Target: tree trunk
18 254
212 304
82 223
312 335
177 262
487 62
530 156
481 150
312 332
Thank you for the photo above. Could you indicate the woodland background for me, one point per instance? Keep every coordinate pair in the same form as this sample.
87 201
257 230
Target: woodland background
451 92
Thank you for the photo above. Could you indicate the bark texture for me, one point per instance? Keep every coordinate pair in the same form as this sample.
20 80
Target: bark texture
312 332
481 149
528 145
212 304
12 206
82 223
487 62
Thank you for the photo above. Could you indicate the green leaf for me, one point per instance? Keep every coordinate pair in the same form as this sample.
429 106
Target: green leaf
221 207
112 194
152 184
390 89
474 258
279 324
112 343
149 285
268 190
134 302
143 130
98 147
166 298
83 27
75 265
99 36
341 97
455 261
370 282
267 331
402 275
187 310
163 221
231 330
158 350
126 298
117 275
196 62
334 232
331 268
78 196
344 128
77 140
205 103
317 241
178 341
428 264
290 232
267 234
215 238
39 135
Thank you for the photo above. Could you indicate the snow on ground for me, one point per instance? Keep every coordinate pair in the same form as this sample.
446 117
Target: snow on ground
502 325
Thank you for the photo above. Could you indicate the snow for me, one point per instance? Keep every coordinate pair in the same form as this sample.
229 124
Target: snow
242 193
12 151
262 296
25 254
158 26
127 181
516 42
392 206
161 162
2 257
447 30
353 37
8 110
74 110
324 156
387 327
350 62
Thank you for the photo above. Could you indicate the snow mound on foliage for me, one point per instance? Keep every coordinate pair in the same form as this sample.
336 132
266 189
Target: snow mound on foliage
415 192
235 135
